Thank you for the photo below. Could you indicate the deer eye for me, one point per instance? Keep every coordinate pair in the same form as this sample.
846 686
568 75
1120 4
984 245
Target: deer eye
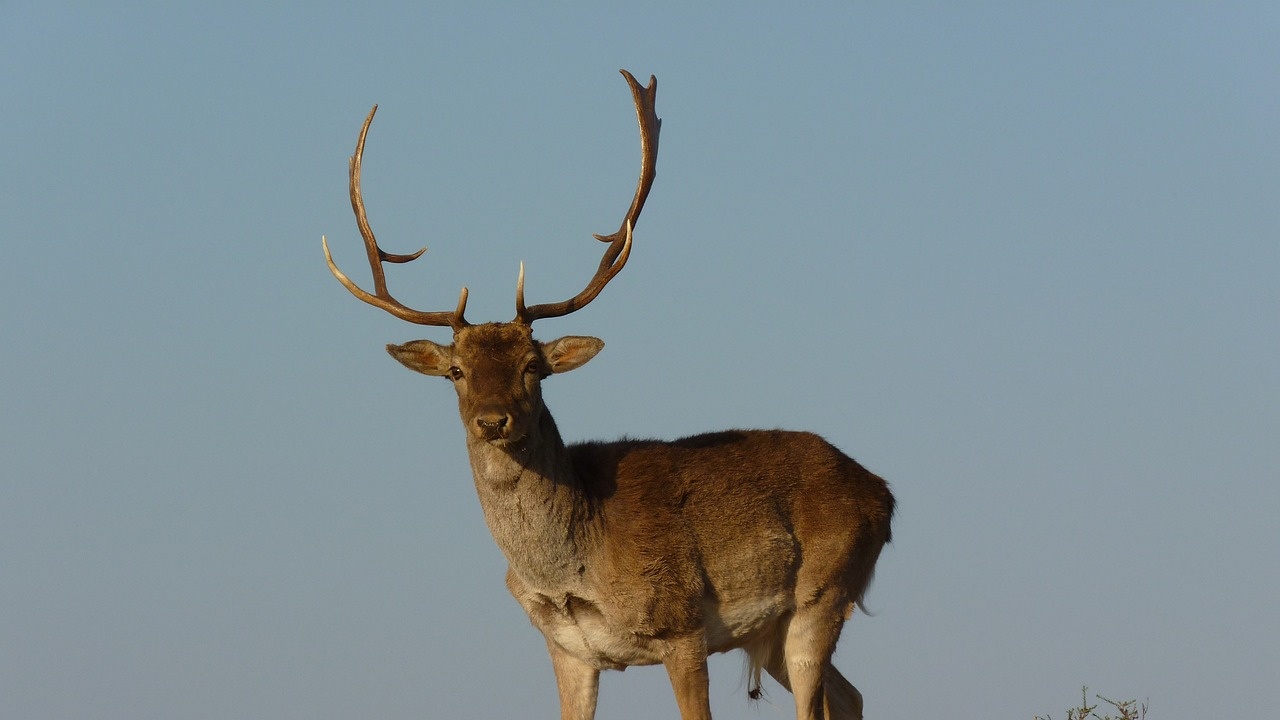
455 373
533 368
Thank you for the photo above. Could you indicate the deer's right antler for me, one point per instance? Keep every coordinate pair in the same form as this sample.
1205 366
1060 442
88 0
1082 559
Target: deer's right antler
380 297
615 256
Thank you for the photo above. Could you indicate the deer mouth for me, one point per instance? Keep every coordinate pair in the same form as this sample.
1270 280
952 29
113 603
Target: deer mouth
507 444
496 437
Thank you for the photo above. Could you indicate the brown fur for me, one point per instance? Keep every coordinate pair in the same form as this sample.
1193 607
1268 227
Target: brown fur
641 551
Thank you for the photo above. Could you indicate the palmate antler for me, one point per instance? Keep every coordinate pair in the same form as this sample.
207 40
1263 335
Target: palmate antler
615 256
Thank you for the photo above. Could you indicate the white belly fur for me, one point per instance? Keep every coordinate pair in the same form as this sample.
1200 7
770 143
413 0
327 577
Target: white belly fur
584 631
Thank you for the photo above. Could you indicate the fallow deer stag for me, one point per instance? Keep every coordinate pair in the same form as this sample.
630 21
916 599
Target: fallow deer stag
640 552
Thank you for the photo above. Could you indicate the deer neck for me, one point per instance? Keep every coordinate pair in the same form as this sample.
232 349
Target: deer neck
535 507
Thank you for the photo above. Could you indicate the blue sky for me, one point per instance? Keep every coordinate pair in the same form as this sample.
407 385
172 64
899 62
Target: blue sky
1019 259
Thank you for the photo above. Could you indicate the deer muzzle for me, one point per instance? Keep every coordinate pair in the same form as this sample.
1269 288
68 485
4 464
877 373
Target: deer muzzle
492 426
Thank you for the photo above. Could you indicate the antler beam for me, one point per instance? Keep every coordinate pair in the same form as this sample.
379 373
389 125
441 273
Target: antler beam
381 297
615 256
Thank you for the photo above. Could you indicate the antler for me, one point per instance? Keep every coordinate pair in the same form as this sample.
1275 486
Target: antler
615 256
380 296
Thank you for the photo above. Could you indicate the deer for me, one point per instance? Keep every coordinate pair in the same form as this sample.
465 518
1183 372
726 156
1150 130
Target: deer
645 552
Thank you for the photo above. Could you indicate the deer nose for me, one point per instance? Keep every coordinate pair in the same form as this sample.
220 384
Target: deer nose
492 426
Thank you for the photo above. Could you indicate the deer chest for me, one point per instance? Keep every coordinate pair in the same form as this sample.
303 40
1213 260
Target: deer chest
589 631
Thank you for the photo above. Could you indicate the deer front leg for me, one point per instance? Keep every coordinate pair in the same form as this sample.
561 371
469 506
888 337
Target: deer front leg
577 682
686 663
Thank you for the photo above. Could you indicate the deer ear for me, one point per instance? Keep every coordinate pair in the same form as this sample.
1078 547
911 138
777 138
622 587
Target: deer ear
423 356
570 352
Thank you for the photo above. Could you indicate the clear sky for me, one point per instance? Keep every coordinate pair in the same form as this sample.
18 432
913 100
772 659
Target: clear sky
1021 260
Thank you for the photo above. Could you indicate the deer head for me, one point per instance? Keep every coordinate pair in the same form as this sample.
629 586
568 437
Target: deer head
497 368
497 371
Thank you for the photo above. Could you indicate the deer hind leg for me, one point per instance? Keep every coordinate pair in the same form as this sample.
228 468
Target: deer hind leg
844 702
820 692
839 700
577 682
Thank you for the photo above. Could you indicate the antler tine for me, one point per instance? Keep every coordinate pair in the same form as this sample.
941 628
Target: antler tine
380 297
615 256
